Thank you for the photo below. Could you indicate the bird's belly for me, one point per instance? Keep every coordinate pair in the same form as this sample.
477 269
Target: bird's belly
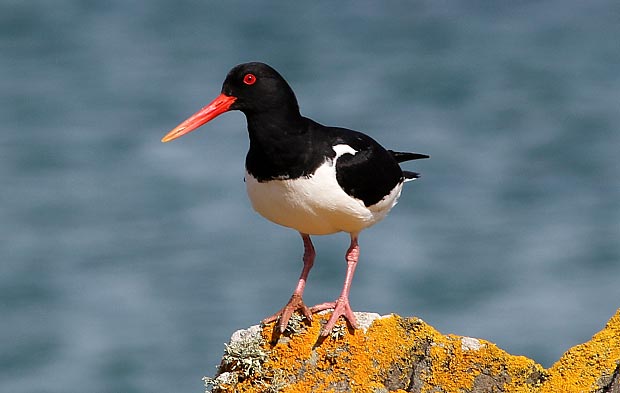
316 205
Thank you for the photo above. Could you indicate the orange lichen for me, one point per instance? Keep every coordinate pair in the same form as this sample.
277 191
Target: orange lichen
581 367
333 361
405 354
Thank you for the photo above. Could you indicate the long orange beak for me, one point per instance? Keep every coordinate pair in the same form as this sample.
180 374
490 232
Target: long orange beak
218 106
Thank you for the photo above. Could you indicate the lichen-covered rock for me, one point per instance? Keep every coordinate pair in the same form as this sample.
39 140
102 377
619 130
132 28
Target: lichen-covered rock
395 354
590 367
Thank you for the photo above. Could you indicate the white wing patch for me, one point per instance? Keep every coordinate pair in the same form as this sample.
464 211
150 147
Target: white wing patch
343 149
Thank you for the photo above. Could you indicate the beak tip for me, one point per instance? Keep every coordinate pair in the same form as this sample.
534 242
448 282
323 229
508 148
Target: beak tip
174 134
218 106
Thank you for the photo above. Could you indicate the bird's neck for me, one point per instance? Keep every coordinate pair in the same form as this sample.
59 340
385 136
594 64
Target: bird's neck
275 129
277 120
278 146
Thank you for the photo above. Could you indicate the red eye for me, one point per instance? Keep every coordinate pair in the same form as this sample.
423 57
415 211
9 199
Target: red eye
249 79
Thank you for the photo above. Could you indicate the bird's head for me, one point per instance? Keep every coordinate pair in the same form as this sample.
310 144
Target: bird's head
252 88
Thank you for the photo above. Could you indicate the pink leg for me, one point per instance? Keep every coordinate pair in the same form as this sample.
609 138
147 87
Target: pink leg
341 305
296 302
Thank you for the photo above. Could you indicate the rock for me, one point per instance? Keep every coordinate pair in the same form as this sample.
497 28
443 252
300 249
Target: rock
396 354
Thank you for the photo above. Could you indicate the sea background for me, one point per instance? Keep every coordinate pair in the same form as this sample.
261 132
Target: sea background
126 264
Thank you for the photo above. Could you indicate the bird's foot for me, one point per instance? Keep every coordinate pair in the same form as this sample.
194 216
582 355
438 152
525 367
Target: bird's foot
294 304
342 308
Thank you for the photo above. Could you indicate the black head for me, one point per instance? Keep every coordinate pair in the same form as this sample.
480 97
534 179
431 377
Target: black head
259 88
255 89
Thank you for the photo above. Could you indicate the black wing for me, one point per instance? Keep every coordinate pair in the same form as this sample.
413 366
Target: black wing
371 173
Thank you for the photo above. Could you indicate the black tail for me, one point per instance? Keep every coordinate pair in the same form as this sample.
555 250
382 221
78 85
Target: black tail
402 156
409 176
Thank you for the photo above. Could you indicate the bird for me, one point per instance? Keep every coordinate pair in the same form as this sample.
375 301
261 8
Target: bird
315 179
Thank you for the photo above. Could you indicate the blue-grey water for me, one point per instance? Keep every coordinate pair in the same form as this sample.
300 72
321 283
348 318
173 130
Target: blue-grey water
125 263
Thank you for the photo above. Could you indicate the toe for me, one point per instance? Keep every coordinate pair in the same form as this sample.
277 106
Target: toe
342 308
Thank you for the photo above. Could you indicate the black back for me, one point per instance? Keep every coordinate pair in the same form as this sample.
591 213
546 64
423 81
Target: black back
286 145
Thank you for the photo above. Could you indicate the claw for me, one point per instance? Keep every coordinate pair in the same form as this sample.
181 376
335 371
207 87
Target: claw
342 308
296 303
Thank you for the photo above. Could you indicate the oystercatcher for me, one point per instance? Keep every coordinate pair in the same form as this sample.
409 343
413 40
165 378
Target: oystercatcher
303 175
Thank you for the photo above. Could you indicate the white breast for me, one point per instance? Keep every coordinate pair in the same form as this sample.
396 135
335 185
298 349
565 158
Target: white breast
317 205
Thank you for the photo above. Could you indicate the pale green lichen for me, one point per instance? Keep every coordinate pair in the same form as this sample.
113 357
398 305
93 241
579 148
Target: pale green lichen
295 324
274 383
338 331
221 382
245 355
243 358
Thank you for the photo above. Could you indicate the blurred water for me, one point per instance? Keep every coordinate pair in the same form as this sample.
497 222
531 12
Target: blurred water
125 264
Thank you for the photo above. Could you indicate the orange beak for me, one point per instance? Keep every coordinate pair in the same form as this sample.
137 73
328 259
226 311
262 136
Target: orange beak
218 106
